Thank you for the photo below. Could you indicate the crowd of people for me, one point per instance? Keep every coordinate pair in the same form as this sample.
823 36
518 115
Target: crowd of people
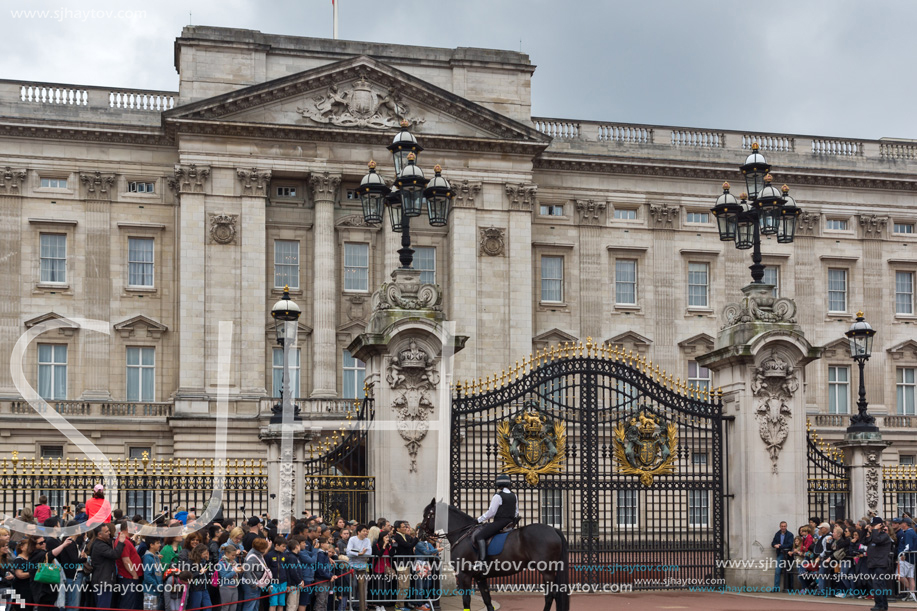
843 558
256 565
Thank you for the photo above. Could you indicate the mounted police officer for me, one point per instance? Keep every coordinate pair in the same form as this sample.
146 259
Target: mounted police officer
504 508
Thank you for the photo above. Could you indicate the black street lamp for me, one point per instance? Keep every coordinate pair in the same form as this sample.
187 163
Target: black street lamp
284 311
860 336
763 211
412 193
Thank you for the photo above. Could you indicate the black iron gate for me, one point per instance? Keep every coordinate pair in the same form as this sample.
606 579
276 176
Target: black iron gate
828 480
625 461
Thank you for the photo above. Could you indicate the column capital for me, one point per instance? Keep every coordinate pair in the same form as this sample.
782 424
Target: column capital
324 185
521 196
11 181
254 181
98 185
188 178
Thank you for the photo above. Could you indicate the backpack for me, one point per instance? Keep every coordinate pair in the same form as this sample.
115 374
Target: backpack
175 586
265 579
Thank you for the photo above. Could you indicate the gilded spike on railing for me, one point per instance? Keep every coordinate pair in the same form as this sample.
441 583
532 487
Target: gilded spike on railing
503 378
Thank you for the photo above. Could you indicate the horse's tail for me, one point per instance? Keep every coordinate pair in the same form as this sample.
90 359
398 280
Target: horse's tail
561 579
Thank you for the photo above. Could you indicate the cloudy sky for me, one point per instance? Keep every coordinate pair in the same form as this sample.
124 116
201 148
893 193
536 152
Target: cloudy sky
821 67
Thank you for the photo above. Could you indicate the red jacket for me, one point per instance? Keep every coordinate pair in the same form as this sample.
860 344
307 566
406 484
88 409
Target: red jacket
41 513
98 510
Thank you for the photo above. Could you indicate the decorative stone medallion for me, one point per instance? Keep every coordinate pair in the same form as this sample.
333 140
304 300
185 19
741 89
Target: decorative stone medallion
223 228
493 243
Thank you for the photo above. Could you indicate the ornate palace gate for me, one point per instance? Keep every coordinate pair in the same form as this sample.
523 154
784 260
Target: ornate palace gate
828 479
625 461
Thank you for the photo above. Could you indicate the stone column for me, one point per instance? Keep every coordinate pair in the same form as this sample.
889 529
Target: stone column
665 305
96 347
325 274
863 457
591 217
255 186
518 302
11 185
467 243
760 360
188 184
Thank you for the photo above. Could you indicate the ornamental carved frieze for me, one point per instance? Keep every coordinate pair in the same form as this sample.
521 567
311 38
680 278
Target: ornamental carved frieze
324 186
354 220
873 226
590 211
407 292
663 215
759 305
413 374
807 223
188 179
773 387
358 104
11 181
465 194
97 184
254 181
872 482
223 228
521 196
493 241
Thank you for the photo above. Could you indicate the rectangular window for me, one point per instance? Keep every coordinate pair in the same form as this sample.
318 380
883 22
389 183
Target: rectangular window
53 258
698 376
286 264
353 194
356 267
697 285
552 279
286 191
141 374
699 459
52 371
907 501
698 508
552 393
139 502
551 210
697 217
904 293
837 505
354 374
907 460
277 372
905 389
626 214
53 183
836 224
837 290
425 261
772 276
627 508
626 281
552 507
140 262
56 498
141 187
838 389
904 227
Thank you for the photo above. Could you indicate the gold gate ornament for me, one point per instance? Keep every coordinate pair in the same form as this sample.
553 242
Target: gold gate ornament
532 444
645 446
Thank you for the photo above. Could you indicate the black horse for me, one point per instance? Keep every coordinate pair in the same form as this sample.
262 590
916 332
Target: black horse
536 546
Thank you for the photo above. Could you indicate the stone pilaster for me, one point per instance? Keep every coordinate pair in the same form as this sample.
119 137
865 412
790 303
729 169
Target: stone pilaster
466 245
518 301
325 274
96 347
11 184
665 305
590 215
863 457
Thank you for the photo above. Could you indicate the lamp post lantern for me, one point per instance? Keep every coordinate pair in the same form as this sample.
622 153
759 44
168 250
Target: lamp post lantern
412 193
285 314
861 336
764 210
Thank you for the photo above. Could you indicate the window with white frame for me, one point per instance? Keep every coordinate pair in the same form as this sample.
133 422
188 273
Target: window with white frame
277 372
552 393
52 371
140 262
837 505
552 507
904 292
907 501
626 214
285 191
53 258
772 276
837 290
698 508
141 373
697 217
141 187
425 261
699 459
56 498
552 279
904 228
907 460
838 389
836 224
905 388
699 376
53 183
286 264
140 502
625 395
551 210
698 275
354 373
626 281
356 266
628 508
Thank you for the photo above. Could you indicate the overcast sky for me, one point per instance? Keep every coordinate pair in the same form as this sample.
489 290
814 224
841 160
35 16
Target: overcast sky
821 67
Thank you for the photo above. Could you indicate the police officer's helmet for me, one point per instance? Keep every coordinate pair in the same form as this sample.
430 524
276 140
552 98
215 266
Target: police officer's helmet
503 481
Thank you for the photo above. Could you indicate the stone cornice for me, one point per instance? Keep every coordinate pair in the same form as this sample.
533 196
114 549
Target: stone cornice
110 134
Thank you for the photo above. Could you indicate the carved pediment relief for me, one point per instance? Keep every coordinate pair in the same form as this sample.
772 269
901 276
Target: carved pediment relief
630 341
906 350
140 327
66 330
302 330
554 337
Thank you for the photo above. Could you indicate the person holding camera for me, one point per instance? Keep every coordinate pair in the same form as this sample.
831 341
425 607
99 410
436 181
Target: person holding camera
878 561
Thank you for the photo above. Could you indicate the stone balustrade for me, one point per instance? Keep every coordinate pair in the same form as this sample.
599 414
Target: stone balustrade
317 407
59 95
888 421
90 409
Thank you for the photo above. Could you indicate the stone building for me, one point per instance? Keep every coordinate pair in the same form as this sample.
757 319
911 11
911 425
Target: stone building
164 213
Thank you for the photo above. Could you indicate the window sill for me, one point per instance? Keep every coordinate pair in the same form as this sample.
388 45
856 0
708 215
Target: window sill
44 287
627 308
905 318
838 316
547 306
279 291
692 312
139 291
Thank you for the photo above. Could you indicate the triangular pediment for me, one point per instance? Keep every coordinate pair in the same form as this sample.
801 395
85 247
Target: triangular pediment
302 329
66 330
630 341
905 350
837 348
140 326
552 337
697 344
358 96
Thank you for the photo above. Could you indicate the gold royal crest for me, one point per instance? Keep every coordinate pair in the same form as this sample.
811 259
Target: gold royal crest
532 444
645 447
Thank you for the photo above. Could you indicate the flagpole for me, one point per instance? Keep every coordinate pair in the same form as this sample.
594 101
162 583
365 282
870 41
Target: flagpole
334 4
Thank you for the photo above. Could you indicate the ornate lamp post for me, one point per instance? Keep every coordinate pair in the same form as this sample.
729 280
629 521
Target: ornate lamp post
763 210
860 336
413 192
285 312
